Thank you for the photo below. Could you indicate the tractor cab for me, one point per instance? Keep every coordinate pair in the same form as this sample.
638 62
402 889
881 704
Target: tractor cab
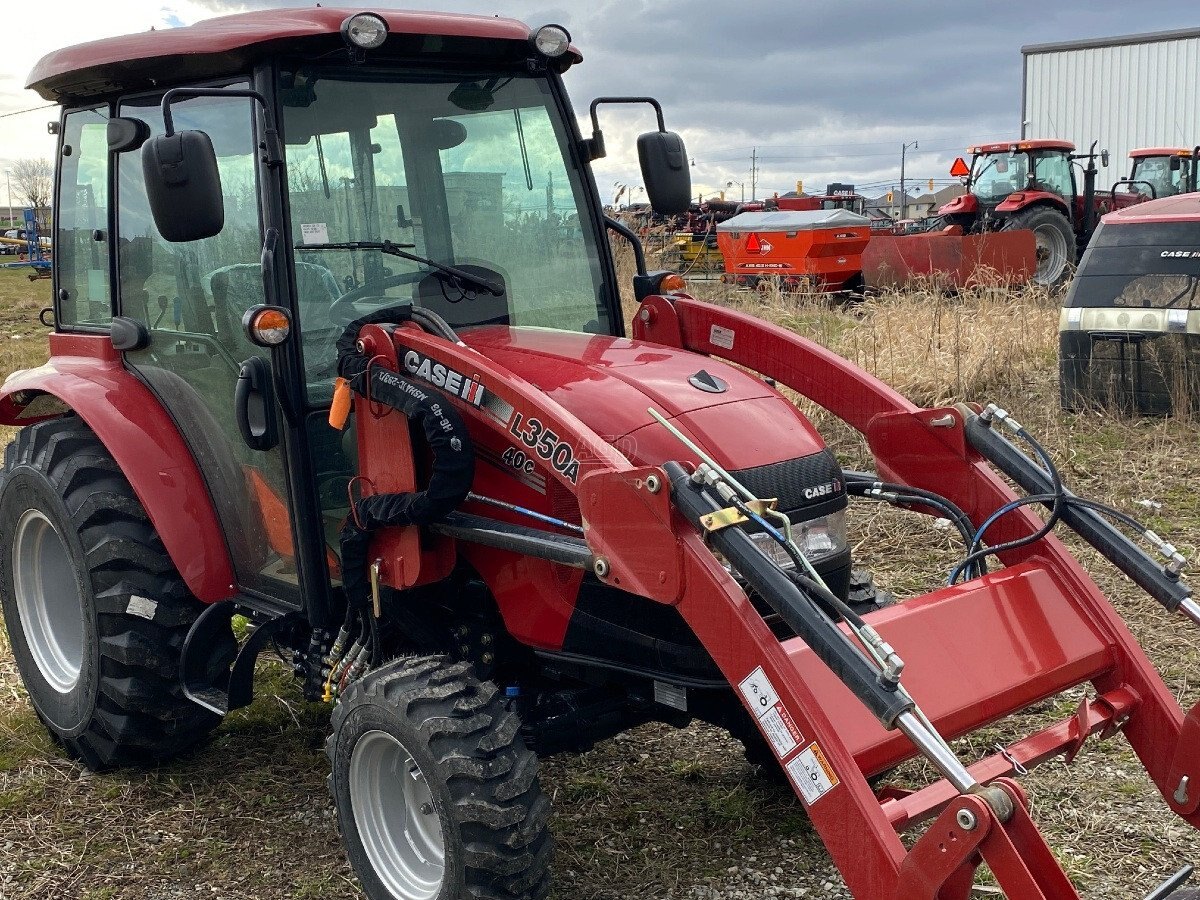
1032 185
1161 172
316 172
1000 170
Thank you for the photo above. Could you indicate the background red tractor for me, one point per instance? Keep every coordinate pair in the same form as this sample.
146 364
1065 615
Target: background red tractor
1161 171
1034 185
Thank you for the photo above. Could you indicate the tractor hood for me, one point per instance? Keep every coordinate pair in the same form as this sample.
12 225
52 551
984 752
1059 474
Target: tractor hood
609 383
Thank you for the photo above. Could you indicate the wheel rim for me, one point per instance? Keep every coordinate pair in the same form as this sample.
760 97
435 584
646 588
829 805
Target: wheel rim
48 600
1051 253
395 816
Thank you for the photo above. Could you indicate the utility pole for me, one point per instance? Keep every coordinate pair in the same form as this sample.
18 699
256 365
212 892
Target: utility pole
8 178
903 194
753 174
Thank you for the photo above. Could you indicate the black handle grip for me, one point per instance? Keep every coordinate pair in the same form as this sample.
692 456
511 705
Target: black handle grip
254 405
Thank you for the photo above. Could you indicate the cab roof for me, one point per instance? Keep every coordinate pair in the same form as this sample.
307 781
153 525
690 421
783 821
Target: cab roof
228 44
1180 208
1159 151
1006 146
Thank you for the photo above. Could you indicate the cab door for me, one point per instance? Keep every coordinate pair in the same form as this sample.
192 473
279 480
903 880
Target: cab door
189 298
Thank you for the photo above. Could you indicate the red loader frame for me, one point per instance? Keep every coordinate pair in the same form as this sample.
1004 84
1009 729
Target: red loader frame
975 652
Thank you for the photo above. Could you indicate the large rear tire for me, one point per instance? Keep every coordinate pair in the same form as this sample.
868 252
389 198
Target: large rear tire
436 793
95 610
1054 240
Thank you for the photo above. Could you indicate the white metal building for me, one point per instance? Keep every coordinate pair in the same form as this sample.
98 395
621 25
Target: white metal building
1140 90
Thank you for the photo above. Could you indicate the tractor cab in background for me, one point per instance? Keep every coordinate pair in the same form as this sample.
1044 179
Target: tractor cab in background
1034 185
1160 172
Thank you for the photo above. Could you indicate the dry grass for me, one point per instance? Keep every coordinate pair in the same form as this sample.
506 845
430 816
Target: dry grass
655 813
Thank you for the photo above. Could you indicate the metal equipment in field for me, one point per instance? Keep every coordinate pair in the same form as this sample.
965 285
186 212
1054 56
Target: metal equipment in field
1034 185
817 247
364 379
1129 331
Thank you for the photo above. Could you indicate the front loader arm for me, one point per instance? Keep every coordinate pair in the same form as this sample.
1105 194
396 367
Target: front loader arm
642 540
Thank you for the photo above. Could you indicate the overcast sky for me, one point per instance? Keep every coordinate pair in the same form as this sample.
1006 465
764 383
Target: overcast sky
827 90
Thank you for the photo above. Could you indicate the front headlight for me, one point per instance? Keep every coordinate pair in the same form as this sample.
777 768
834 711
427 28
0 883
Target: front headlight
818 539
822 537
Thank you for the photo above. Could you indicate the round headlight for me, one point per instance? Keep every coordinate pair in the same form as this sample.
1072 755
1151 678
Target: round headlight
365 30
552 40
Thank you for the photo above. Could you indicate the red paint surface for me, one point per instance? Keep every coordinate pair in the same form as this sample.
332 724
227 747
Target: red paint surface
81 64
1006 146
960 260
1182 208
1019 200
1159 151
85 372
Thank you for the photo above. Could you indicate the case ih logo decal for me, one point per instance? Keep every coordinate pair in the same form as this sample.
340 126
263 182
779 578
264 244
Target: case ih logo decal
823 490
1180 254
441 376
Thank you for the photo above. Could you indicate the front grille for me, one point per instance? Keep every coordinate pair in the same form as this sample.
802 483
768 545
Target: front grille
790 479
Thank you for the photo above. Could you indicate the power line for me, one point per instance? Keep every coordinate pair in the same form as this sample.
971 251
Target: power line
31 109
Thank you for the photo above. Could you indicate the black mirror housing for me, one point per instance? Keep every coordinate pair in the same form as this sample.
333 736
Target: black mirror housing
1176 164
183 185
665 172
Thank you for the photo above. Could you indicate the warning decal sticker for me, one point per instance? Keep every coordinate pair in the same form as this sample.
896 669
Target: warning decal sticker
721 337
758 691
781 731
773 718
812 774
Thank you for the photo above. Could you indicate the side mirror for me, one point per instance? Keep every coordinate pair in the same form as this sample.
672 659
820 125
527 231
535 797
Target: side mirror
183 185
1176 163
1104 158
665 171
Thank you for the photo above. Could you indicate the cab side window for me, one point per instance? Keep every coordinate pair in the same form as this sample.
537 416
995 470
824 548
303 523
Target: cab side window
81 222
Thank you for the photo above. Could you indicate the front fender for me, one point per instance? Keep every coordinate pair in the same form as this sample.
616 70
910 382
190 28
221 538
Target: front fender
85 375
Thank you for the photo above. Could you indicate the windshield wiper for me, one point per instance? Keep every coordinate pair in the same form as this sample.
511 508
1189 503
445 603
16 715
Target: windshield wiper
401 250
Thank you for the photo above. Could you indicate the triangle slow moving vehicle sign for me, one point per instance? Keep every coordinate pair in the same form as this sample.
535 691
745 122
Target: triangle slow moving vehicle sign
959 168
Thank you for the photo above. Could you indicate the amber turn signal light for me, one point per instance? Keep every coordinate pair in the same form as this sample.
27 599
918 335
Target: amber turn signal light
672 282
267 326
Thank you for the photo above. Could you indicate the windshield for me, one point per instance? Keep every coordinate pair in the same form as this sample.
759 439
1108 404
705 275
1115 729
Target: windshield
471 170
996 175
1156 170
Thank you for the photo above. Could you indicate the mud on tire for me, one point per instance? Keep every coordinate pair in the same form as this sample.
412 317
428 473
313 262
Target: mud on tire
483 809
95 610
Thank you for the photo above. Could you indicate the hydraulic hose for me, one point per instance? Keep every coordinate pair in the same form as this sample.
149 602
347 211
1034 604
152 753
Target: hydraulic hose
793 605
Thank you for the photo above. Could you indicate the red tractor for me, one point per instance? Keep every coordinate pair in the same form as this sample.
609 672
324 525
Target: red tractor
1161 171
1033 185
347 359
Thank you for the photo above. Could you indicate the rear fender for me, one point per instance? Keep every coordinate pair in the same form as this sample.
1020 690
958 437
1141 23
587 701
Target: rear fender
1022 200
84 375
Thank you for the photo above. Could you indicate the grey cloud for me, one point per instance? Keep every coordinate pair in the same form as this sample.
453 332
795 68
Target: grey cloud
827 89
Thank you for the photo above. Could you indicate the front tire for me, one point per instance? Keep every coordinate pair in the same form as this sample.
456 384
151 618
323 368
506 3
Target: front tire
95 610
437 795
1054 241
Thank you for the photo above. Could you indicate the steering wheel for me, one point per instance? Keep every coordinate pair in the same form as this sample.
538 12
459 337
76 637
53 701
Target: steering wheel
371 288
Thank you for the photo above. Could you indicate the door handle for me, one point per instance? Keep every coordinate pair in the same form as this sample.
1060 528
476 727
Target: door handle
254 405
